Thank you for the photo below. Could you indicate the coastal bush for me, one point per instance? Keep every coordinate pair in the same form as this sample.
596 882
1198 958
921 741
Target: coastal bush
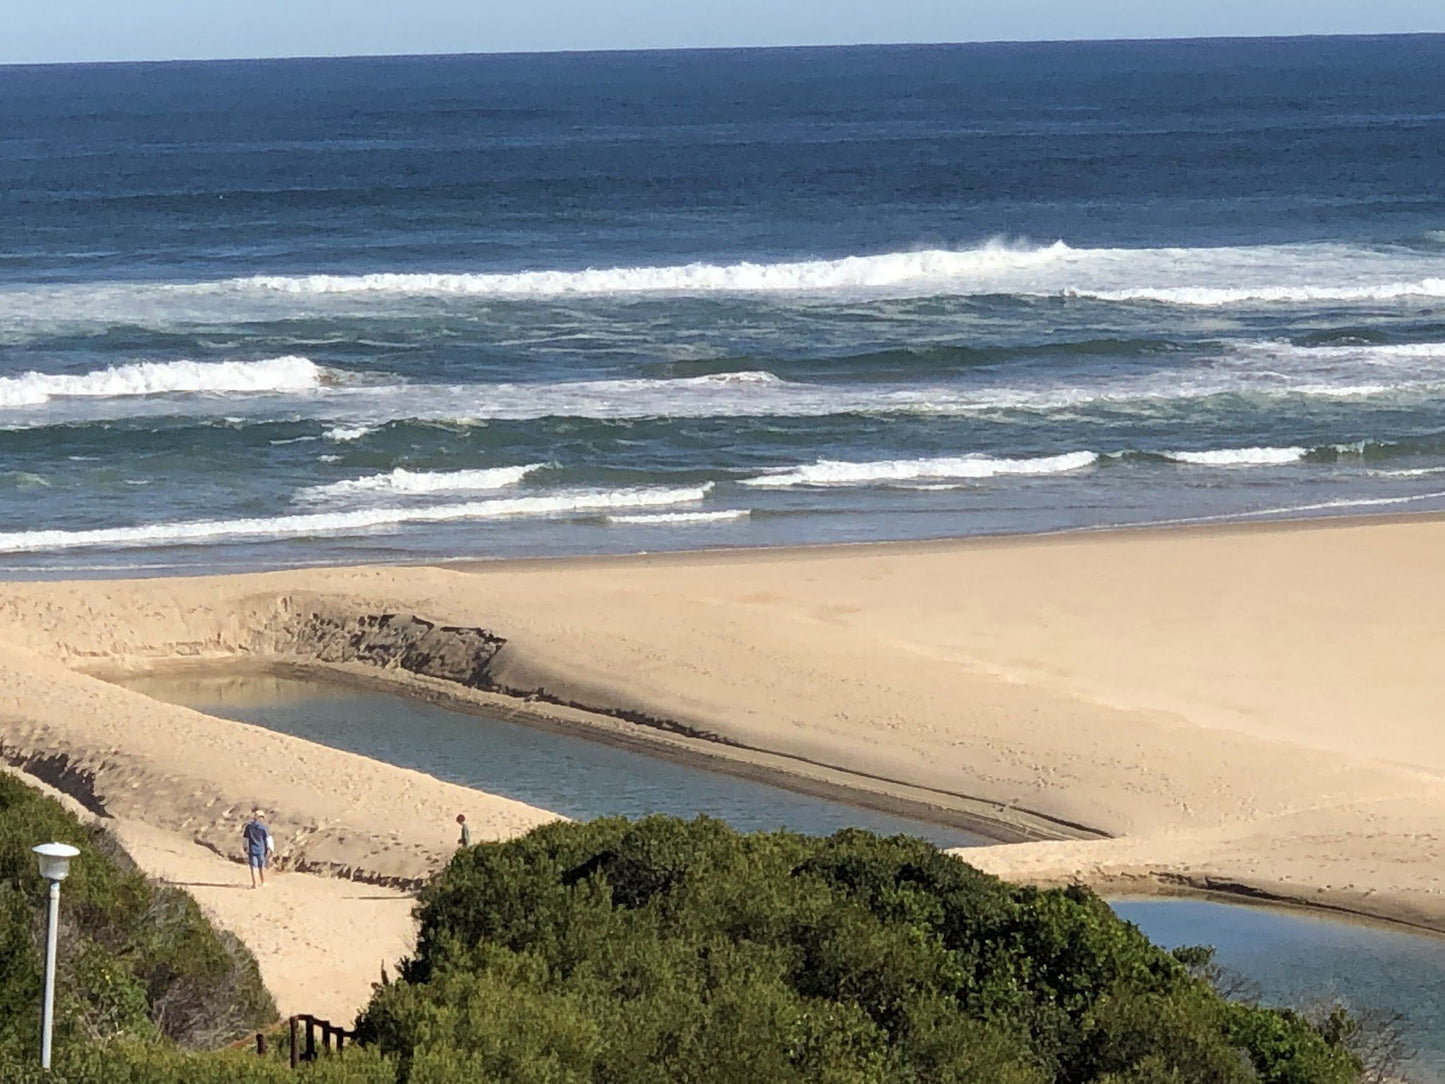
160 1062
663 950
137 959
653 952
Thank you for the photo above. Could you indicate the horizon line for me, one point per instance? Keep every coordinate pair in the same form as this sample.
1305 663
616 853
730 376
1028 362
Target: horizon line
1184 39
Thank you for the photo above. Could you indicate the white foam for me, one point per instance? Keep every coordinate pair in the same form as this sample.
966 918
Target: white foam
1262 370
284 374
1374 353
726 379
739 394
832 472
343 434
1205 276
1248 275
1409 472
205 532
403 482
802 276
723 396
1240 457
1219 296
649 519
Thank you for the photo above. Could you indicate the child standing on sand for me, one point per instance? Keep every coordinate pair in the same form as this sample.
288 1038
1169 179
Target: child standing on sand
466 838
258 845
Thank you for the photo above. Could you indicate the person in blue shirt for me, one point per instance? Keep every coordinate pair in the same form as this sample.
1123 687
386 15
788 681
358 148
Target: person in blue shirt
258 846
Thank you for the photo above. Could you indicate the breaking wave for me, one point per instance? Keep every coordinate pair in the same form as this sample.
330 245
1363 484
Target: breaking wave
929 474
1271 276
403 482
339 523
284 374
727 515
1204 276
1240 457
351 409
832 472
799 276
342 434
1218 296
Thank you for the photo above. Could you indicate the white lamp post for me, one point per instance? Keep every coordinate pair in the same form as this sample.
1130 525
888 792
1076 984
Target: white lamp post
54 867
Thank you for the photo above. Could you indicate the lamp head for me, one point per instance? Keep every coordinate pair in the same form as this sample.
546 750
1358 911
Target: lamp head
55 860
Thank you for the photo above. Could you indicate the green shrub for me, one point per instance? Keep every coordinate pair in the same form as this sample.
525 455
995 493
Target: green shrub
660 952
665 950
137 959
160 1062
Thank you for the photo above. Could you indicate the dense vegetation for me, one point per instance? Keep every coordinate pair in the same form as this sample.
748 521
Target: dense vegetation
662 951
137 959
658 951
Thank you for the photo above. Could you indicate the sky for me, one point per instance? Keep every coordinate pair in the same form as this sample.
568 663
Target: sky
35 31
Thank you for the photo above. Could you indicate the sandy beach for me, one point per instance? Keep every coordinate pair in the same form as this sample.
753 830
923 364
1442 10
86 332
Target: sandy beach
1247 708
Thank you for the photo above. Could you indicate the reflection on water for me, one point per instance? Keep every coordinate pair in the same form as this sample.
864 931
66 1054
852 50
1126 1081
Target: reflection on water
566 774
1296 958
1291 956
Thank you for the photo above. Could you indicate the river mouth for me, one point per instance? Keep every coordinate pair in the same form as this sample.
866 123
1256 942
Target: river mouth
1291 957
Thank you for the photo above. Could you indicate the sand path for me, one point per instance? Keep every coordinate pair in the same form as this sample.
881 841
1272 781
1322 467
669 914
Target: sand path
321 942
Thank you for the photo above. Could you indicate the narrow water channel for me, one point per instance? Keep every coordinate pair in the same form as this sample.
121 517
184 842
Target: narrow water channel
566 774
1293 957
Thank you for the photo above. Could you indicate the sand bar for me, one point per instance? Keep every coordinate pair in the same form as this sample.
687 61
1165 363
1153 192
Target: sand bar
1250 708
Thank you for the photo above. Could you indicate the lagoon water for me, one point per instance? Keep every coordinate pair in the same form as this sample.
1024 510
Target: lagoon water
569 775
288 312
1300 959
1293 958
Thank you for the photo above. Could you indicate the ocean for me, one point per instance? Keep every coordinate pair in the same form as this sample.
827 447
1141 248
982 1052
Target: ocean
279 313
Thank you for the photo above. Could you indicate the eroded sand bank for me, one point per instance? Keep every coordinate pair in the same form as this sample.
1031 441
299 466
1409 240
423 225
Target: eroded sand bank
1254 708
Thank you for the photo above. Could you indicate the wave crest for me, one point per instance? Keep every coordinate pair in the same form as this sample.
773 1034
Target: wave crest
799 276
832 472
283 374
1219 296
1240 457
340 523
343 434
1319 272
403 482
653 519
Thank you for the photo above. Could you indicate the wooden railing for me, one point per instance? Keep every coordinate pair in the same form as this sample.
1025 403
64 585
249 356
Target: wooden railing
333 1038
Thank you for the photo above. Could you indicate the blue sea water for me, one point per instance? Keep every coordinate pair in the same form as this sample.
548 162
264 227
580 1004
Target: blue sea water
286 312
